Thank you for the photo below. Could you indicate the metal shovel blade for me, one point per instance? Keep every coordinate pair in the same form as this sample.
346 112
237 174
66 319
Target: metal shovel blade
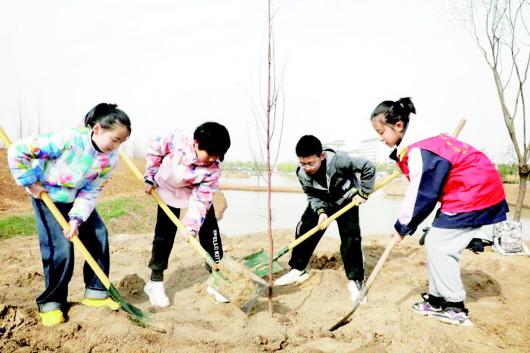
237 283
258 263
234 281
135 314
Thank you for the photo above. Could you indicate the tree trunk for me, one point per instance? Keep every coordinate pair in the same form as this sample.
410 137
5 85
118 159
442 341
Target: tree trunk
270 106
523 177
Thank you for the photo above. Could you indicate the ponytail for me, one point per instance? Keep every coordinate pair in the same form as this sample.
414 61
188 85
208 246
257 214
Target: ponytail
107 115
395 111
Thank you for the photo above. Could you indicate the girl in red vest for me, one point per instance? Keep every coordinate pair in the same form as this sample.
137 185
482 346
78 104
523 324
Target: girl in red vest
469 189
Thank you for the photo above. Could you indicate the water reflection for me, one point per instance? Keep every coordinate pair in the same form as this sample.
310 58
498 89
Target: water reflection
246 212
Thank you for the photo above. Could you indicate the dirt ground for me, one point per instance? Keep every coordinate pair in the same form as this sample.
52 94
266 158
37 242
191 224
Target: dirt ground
497 286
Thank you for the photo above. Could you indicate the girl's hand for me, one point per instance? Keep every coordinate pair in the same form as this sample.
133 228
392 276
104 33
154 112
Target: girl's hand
73 229
397 237
148 188
323 221
35 190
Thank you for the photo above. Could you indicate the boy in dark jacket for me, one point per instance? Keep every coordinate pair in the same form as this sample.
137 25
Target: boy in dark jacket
329 180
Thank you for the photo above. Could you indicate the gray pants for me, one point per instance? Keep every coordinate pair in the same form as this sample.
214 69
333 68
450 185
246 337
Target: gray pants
444 249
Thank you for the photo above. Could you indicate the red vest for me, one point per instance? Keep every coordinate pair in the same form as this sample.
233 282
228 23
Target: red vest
473 182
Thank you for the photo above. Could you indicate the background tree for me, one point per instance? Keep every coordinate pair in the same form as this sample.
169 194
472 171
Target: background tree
500 29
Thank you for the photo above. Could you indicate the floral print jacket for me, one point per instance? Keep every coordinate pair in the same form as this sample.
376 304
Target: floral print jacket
66 164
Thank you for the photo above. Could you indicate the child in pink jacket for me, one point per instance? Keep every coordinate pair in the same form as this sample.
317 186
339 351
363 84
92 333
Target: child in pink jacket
185 169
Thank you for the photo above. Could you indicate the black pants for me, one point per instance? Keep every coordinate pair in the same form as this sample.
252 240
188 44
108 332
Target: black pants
165 231
350 236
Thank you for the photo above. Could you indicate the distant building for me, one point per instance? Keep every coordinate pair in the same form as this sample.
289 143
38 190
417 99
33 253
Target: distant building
374 150
337 145
355 152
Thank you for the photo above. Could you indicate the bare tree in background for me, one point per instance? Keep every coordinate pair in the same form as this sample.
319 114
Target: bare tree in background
500 29
269 117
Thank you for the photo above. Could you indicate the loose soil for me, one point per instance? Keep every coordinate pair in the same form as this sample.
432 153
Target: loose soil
497 288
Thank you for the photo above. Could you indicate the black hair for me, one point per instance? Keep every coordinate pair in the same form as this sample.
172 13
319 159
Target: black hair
213 138
107 115
395 111
308 145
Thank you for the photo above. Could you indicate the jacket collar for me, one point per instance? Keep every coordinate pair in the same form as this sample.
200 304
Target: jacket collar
399 150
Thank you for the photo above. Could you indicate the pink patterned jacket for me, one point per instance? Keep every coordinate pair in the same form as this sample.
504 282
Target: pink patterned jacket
182 180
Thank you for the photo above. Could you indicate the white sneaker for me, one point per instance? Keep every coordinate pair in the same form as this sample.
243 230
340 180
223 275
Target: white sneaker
156 293
218 296
355 289
293 276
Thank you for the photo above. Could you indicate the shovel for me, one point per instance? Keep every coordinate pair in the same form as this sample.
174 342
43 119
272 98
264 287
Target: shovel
134 314
258 262
379 264
234 281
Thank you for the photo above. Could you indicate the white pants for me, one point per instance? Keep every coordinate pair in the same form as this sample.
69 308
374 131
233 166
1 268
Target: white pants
444 249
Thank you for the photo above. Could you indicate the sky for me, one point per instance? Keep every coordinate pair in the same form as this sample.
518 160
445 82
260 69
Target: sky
176 64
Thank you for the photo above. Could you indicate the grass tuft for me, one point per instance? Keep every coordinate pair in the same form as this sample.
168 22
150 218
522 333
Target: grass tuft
133 215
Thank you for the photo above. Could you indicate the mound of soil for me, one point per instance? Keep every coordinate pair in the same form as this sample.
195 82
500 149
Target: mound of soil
497 286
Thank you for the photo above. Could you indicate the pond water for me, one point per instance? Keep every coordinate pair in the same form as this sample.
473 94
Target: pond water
247 211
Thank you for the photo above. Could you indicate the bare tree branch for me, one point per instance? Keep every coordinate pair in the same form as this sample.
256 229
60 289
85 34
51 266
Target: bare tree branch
503 22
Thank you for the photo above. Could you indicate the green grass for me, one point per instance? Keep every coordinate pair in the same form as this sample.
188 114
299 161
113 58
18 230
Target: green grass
17 225
121 215
113 208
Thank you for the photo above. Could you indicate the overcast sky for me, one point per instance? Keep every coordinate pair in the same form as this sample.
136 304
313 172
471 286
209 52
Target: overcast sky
176 64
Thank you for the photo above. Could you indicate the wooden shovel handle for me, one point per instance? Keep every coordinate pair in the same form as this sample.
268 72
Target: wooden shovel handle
64 224
77 243
377 187
193 242
381 260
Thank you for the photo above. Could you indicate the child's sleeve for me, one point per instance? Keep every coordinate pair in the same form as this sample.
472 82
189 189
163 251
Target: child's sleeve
43 147
200 201
366 169
159 147
86 197
351 165
427 173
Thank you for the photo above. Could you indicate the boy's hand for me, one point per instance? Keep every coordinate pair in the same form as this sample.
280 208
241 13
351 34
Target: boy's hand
35 190
73 229
323 221
148 188
358 199
186 233
397 237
